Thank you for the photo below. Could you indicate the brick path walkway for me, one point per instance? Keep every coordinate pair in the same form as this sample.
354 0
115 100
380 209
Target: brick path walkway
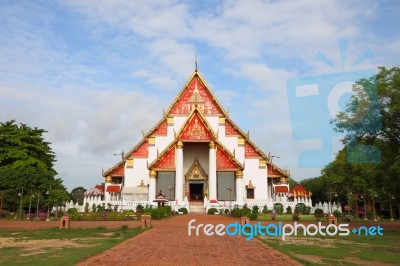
168 243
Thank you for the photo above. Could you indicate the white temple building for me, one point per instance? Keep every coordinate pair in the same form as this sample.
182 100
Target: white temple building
197 156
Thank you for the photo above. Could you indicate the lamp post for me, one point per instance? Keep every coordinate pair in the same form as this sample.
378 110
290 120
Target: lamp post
272 180
170 191
148 193
20 203
230 198
30 202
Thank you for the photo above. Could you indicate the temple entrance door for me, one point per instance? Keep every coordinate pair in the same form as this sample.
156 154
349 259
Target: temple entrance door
196 191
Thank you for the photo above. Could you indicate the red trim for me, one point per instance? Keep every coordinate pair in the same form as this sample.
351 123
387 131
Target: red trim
113 188
281 189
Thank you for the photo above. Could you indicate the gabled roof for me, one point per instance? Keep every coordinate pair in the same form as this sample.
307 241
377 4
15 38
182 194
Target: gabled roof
195 91
226 160
252 150
166 159
140 148
196 128
195 97
116 170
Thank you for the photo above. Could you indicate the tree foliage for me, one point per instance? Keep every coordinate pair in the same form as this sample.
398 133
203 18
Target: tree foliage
27 165
78 194
371 120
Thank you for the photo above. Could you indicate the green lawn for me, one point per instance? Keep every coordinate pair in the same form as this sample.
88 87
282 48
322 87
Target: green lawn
340 250
58 246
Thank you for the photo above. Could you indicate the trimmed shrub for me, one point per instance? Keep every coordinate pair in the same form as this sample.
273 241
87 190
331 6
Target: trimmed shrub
347 218
139 208
72 211
278 208
318 214
184 210
265 209
296 216
300 208
253 216
246 211
236 212
255 209
212 211
289 210
337 214
308 210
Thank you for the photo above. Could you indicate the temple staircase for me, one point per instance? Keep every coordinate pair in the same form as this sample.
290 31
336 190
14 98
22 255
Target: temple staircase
197 207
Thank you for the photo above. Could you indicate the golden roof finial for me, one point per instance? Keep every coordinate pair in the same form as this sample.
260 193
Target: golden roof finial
195 63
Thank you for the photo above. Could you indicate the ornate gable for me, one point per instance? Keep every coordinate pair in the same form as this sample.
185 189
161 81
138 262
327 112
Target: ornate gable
250 151
274 171
195 94
226 161
231 130
196 129
166 160
196 172
118 171
142 151
161 129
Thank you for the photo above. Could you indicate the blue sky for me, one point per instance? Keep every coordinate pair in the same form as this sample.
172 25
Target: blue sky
97 73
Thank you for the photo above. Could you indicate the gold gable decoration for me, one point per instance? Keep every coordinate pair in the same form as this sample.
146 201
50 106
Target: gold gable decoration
129 163
250 185
196 172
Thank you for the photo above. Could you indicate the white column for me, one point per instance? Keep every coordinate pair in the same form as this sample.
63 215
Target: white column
212 172
239 187
107 196
152 187
179 173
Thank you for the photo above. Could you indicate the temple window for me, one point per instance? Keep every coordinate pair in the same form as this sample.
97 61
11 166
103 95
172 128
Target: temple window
250 190
250 193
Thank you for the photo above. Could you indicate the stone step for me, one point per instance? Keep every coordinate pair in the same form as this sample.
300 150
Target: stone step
197 208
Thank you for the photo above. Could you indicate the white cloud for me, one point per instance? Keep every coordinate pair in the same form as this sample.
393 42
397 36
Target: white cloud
89 71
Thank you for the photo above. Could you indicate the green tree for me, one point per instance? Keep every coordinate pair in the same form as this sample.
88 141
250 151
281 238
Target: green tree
372 117
26 164
78 194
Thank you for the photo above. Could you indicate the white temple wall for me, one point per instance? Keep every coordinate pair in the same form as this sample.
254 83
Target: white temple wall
152 153
258 178
178 123
213 122
139 172
162 142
